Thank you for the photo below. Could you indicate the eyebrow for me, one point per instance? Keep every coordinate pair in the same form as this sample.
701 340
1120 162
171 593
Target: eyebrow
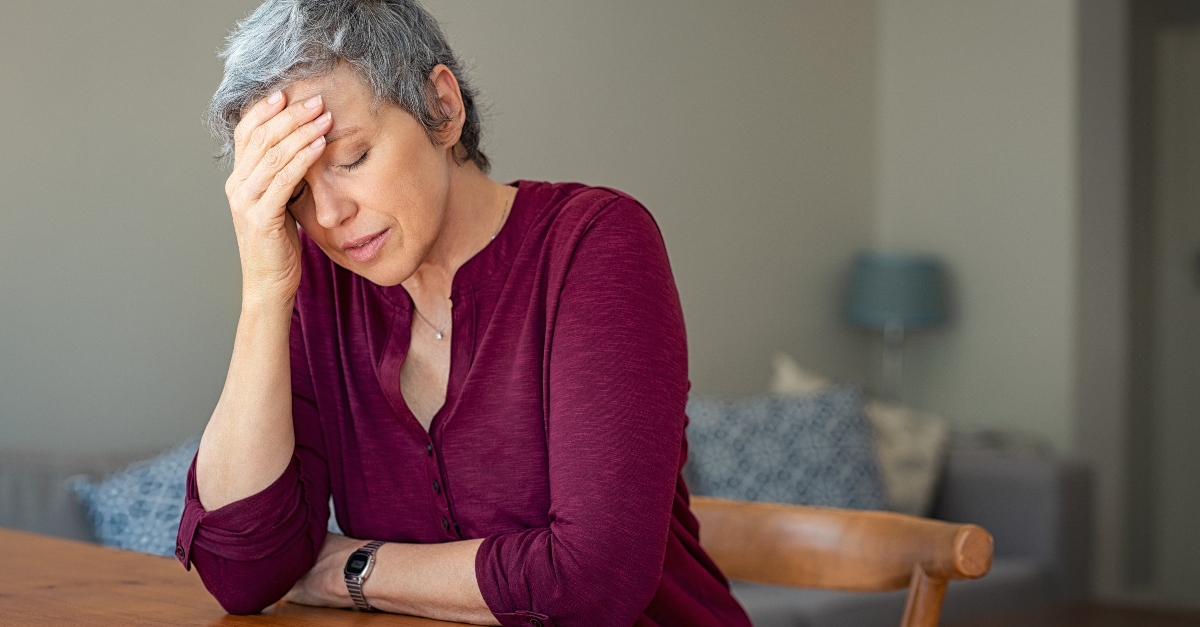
335 135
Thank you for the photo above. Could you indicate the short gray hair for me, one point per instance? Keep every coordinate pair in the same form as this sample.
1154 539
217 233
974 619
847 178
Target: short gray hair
392 44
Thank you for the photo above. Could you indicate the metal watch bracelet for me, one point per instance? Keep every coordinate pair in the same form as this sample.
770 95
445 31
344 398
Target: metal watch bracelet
354 582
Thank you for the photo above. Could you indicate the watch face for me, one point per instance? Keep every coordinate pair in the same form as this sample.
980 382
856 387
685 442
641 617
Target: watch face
357 563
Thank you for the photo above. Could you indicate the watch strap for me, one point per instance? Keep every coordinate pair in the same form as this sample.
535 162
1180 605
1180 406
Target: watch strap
354 584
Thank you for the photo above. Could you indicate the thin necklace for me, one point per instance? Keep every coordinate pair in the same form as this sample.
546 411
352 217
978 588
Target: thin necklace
437 333
440 333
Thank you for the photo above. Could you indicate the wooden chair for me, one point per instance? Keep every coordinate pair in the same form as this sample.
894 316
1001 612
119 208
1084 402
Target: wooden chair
837 549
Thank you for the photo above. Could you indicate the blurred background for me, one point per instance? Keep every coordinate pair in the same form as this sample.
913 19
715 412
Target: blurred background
1046 151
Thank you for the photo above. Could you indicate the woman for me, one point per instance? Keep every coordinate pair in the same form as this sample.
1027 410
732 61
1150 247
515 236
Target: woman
489 380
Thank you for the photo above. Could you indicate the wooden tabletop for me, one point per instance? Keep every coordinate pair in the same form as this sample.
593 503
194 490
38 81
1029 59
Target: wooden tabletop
51 581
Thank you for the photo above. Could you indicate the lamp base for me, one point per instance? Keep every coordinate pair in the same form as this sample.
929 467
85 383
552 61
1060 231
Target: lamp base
892 380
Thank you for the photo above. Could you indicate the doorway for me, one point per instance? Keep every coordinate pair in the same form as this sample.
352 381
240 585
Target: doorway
1163 521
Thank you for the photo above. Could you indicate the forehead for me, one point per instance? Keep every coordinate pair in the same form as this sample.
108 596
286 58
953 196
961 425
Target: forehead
344 93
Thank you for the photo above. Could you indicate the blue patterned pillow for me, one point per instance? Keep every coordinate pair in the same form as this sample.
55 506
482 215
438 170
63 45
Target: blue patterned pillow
805 450
139 508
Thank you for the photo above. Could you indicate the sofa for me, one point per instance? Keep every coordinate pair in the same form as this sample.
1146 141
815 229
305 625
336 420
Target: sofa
1037 507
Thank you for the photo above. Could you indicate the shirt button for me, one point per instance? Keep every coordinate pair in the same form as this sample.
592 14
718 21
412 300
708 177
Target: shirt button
437 487
445 524
179 551
533 622
429 448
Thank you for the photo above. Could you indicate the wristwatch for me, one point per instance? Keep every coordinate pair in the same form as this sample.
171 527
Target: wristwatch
357 569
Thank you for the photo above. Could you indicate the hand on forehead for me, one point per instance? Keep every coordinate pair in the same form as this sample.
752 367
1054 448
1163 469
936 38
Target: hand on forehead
345 95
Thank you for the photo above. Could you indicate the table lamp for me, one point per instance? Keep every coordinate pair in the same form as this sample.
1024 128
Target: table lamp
893 292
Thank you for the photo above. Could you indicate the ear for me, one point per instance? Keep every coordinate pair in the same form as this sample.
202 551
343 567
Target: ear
448 98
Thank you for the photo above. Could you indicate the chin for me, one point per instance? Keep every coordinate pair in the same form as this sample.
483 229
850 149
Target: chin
384 272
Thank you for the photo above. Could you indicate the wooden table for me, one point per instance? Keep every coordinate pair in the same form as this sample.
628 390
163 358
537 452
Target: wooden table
50 581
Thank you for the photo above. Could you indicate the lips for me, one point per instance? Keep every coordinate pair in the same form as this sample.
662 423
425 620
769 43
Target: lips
364 249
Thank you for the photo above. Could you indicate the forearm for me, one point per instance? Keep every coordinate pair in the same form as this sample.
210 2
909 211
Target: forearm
250 438
430 580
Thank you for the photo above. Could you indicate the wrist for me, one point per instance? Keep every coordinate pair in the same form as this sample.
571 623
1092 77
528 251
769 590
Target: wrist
360 565
257 305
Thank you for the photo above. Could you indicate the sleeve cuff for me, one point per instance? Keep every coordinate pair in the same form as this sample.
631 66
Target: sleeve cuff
524 619
498 599
249 529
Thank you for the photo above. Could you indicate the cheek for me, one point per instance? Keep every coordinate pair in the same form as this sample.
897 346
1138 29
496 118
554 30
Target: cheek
417 194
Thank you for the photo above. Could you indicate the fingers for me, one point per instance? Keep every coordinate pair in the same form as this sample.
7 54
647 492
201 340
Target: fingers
254 117
280 125
280 187
272 169
264 126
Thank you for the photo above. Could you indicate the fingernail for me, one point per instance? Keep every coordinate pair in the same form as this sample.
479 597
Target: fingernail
312 103
317 143
324 118
275 97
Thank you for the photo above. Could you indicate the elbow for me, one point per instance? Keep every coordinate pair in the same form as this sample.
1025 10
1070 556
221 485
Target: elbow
242 605
246 598
244 588
243 600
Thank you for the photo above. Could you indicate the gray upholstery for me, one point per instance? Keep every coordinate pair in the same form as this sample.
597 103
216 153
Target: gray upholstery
1037 509
34 495
1013 583
1034 506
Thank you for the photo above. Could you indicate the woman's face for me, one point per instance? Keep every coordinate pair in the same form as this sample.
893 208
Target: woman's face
376 199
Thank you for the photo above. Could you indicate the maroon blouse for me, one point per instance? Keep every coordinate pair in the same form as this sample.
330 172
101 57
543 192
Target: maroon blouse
560 442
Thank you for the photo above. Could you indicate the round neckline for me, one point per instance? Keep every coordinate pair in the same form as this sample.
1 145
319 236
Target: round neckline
484 263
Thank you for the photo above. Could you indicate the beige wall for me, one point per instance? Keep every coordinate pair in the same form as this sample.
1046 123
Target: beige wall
976 162
118 270
747 128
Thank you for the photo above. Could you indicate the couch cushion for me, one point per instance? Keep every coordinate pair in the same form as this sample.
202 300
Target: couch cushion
807 450
139 507
1012 584
910 445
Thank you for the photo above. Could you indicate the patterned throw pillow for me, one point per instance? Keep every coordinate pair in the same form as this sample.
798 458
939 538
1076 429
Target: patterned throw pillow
803 450
138 508
910 445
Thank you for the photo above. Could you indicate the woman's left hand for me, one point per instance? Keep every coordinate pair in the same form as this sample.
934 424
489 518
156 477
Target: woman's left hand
324 585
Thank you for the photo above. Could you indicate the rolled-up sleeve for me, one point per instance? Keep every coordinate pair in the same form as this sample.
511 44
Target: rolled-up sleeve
250 552
617 387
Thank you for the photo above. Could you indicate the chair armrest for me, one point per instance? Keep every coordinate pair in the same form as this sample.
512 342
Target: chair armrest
819 547
1035 506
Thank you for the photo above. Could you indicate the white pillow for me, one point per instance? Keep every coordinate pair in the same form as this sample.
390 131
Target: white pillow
910 445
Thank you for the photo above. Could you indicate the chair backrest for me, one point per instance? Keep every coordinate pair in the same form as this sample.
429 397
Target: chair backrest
820 547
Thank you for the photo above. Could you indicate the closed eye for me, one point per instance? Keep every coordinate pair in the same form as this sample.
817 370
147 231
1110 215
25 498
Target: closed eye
296 196
357 163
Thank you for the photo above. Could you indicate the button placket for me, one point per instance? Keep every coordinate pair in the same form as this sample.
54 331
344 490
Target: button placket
440 496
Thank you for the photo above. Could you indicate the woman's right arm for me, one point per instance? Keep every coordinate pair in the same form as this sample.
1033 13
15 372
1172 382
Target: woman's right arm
249 439
257 494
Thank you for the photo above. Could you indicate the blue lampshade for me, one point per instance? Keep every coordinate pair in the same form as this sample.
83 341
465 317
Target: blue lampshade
897 289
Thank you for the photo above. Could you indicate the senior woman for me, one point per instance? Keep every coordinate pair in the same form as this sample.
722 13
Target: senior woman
489 380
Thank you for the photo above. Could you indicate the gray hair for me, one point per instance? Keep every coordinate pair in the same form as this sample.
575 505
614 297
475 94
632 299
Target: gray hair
392 44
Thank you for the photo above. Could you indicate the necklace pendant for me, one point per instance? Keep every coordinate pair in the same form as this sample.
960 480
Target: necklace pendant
437 334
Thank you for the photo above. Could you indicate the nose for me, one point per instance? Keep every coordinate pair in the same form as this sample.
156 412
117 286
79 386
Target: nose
333 208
